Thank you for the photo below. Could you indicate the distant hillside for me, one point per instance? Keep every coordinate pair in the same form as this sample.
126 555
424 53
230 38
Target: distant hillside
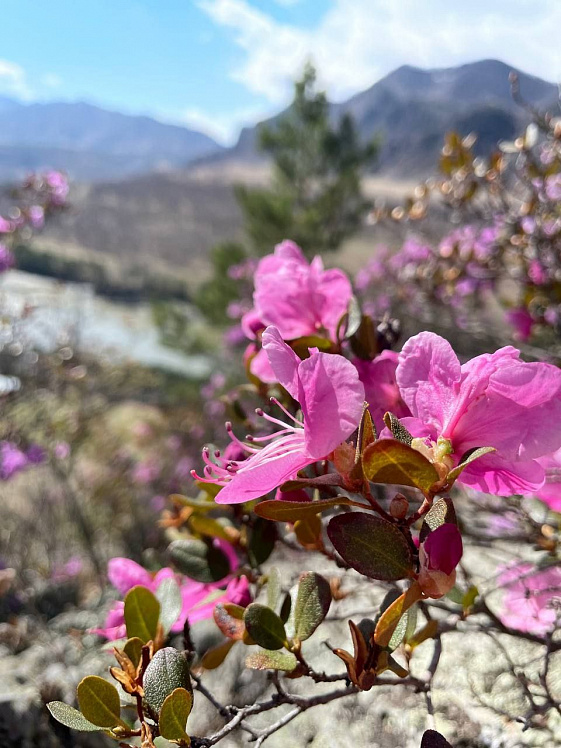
91 143
178 216
411 109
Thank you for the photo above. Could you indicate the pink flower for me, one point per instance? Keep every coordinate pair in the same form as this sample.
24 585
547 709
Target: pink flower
380 387
439 554
522 322
331 398
494 400
532 600
198 599
7 260
550 492
297 297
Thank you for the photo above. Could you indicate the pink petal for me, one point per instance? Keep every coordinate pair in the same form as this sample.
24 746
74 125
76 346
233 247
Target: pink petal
284 362
257 478
496 475
380 387
444 548
427 373
125 574
261 368
332 397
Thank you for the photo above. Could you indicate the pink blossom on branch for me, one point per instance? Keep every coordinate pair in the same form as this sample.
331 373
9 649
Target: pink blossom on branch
297 297
494 400
380 387
532 598
198 599
550 492
331 398
439 554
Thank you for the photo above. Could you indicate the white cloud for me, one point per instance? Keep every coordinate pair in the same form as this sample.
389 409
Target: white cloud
358 41
51 80
224 128
13 80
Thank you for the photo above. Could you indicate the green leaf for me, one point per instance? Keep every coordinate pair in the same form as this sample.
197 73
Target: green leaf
467 459
440 513
198 504
214 657
169 596
262 539
308 531
470 597
174 713
399 633
142 613
371 545
133 650
211 527
71 717
365 340
265 659
391 461
273 588
200 561
264 626
290 511
312 604
302 345
229 619
398 429
429 631
390 618
167 671
99 702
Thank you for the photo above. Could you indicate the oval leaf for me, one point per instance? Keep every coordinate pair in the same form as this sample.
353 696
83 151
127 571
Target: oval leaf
71 717
174 713
262 539
265 659
391 461
308 531
133 650
168 595
264 626
273 587
371 545
199 561
229 619
390 618
214 657
290 511
167 671
99 702
142 613
213 528
312 604
474 454
441 512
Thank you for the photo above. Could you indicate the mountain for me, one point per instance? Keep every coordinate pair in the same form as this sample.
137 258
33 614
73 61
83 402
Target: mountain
411 109
91 143
178 215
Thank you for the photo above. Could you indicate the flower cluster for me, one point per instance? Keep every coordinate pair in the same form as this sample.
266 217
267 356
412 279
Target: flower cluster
512 242
198 600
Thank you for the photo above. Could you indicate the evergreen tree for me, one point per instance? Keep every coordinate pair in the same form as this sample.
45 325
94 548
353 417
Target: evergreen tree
316 196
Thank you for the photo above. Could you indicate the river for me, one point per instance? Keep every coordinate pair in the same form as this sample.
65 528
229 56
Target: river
52 313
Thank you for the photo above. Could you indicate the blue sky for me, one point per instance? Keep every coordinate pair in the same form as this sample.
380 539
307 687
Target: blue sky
218 64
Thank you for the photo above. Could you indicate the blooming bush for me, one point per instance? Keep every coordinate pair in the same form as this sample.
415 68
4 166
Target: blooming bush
383 463
507 250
